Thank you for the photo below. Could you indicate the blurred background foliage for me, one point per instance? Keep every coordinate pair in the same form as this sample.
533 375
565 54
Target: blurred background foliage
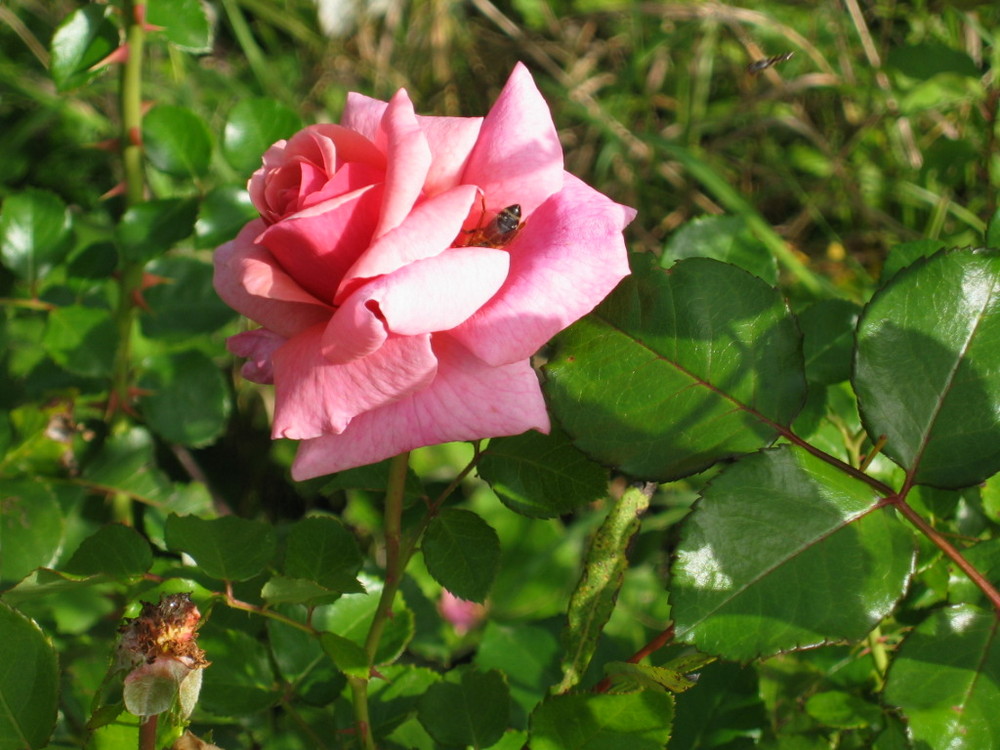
879 129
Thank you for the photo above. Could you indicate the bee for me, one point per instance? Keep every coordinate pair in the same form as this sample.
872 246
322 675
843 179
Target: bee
758 65
499 232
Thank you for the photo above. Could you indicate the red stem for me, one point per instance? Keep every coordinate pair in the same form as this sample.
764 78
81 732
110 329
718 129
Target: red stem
656 644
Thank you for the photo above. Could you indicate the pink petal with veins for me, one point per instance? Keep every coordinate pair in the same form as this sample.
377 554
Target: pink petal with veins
314 397
518 158
429 230
467 400
319 244
249 280
430 295
257 346
568 256
408 159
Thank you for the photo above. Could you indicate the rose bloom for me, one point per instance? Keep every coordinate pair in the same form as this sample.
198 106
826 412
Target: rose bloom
391 317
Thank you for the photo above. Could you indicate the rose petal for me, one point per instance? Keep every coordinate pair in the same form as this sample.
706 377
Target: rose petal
467 400
408 159
518 158
256 346
249 280
314 397
317 245
428 231
430 295
568 256
451 140
363 115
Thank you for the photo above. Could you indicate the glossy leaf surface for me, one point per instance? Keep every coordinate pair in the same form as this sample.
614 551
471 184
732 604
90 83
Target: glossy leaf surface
541 476
784 551
927 368
638 721
678 369
252 127
34 233
946 680
29 681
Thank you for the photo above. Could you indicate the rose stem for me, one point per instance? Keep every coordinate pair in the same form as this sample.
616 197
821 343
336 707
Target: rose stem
395 564
147 733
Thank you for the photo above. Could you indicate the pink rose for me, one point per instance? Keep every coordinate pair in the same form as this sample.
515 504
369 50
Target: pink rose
392 315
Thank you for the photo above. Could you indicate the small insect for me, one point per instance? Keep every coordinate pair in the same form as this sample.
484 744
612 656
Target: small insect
758 65
500 231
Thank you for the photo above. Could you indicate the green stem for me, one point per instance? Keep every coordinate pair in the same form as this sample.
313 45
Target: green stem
362 723
130 278
879 655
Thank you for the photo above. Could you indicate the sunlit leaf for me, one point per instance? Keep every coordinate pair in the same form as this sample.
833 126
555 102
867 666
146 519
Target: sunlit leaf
766 524
678 369
927 368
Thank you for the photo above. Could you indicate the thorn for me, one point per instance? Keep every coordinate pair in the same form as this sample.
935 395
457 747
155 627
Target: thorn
135 136
118 189
118 57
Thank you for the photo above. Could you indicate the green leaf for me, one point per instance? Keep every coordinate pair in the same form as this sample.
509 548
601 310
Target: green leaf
31 527
394 700
841 710
541 476
125 463
252 127
320 549
95 261
993 230
946 679
527 653
147 230
462 552
764 526
927 368
29 683
828 339
905 253
188 401
176 141
184 22
724 238
637 721
300 659
633 676
725 705
604 568
35 233
475 712
352 614
82 340
115 550
186 303
240 680
84 38
223 212
349 657
285 590
228 548
677 370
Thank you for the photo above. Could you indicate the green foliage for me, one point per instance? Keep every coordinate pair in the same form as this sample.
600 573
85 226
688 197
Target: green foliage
767 514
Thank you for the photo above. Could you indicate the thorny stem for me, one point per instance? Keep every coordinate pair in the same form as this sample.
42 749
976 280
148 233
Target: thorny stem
130 278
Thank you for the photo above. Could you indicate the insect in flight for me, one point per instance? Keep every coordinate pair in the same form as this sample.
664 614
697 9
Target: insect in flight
758 65
500 231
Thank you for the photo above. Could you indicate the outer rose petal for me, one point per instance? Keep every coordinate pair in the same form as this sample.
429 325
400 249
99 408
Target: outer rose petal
567 258
318 245
451 140
518 158
314 397
428 231
430 295
408 160
363 115
256 346
467 400
249 280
